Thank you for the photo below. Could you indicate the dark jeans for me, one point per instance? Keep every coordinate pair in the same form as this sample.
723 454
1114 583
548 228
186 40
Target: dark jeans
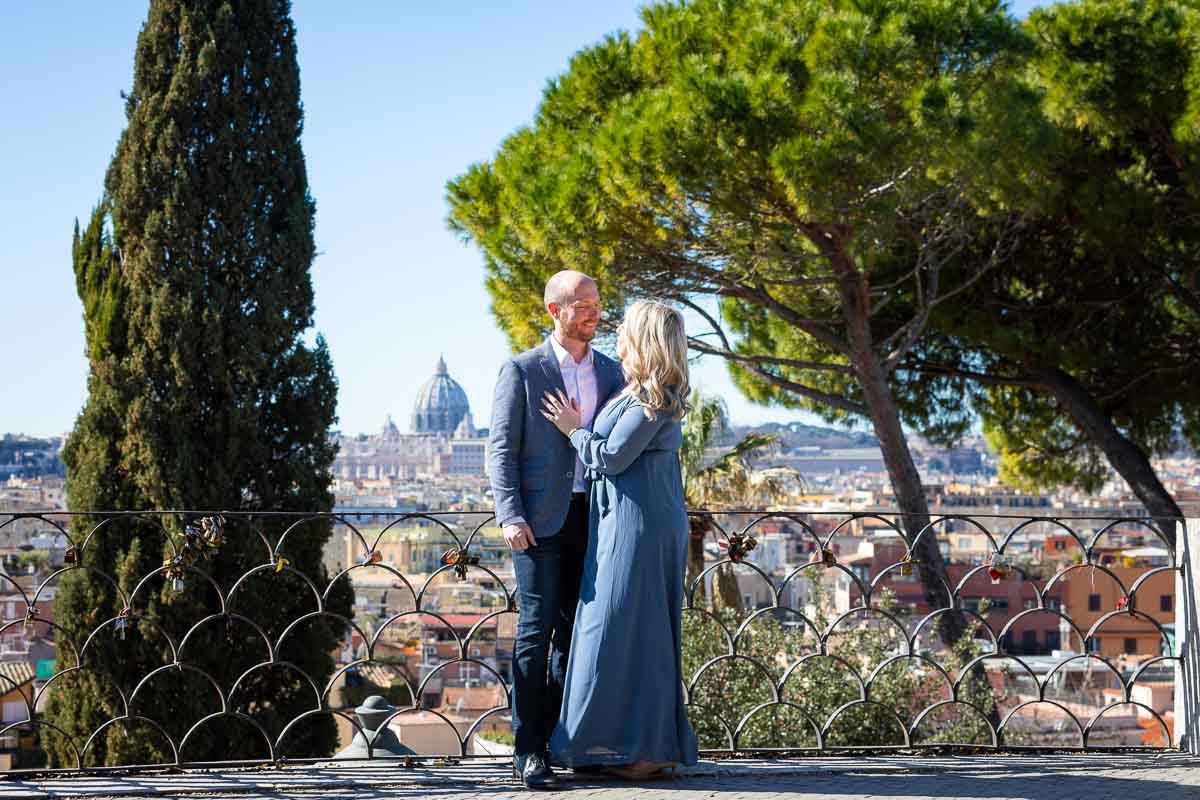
548 578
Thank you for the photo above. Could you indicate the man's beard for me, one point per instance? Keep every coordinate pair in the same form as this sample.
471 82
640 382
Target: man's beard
579 333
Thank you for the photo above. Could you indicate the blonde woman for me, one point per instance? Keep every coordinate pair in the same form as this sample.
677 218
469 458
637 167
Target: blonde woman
623 698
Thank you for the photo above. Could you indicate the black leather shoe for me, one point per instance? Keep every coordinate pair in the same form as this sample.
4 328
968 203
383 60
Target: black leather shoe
536 773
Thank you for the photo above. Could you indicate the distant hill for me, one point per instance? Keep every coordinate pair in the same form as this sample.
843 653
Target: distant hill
27 456
793 435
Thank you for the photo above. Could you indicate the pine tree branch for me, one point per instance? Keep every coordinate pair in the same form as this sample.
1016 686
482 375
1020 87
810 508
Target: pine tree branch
729 355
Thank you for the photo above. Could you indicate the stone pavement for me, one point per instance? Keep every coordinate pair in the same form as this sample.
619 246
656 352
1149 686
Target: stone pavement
1166 776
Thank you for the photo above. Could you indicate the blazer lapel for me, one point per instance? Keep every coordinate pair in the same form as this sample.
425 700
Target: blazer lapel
614 380
551 369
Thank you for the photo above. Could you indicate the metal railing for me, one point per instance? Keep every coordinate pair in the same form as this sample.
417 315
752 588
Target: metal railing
803 631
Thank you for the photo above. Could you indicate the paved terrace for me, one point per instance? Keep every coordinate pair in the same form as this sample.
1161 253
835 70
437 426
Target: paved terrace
1043 776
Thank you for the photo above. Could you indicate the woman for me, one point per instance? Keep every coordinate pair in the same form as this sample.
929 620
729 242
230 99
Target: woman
623 697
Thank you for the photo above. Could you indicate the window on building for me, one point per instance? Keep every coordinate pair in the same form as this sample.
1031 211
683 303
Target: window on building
1165 603
964 543
1060 545
1029 641
15 711
1130 645
1053 640
1029 603
998 603
1053 604
1093 645
1093 602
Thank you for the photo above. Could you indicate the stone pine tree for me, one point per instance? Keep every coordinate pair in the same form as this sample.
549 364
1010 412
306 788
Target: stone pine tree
1080 357
774 160
203 393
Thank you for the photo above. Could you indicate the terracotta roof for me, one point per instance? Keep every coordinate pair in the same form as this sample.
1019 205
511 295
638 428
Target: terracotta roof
474 697
380 675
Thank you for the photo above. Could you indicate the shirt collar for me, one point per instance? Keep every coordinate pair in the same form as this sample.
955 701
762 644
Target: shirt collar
564 357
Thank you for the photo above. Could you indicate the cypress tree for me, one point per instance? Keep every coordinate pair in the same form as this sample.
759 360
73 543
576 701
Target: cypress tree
194 273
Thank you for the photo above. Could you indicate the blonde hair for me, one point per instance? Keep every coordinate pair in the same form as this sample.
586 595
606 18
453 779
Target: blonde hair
655 363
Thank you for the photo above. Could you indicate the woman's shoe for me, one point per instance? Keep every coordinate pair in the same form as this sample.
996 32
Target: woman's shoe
662 769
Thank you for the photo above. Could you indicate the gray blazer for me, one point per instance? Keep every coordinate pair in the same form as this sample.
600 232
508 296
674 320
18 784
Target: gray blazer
531 464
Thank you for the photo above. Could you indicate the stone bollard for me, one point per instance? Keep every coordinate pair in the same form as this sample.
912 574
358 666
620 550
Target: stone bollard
371 714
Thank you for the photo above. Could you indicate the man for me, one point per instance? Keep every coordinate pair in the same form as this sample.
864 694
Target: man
540 490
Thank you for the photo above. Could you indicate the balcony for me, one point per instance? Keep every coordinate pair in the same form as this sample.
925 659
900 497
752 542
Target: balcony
813 649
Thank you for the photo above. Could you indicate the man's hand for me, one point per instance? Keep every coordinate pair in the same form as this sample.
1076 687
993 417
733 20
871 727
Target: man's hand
519 536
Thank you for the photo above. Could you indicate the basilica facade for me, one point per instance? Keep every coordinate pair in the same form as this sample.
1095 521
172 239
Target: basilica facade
443 440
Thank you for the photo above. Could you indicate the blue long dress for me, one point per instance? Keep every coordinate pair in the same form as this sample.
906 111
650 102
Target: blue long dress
623 696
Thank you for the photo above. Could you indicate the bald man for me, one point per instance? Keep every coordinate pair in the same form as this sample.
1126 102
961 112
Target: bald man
540 491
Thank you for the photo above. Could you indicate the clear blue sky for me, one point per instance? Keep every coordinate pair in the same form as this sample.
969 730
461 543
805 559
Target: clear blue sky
399 97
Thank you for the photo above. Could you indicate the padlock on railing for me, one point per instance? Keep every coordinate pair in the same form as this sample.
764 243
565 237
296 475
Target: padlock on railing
460 560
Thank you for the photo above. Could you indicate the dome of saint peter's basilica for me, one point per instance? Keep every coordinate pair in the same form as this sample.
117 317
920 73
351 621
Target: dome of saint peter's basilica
441 404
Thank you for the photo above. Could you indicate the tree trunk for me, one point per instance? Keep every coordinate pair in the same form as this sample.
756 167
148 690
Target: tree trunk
903 474
1125 456
902 470
910 498
698 529
726 593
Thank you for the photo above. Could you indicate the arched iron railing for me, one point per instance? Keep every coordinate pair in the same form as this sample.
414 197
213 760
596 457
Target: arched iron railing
804 630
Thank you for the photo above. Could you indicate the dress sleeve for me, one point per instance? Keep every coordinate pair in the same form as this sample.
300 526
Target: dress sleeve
612 454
